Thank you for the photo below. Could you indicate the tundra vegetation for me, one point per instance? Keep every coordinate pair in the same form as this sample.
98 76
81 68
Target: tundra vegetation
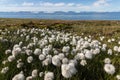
32 49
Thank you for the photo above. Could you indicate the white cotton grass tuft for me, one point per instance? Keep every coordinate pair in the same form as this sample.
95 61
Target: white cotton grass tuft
80 56
55 51
19 60
118 77
29 78
34 73
107 60
65 72
113 39
49 56
11 58
45 51
28 52
4 62
8 51
29 59
96 51
46 62
4 70
72 68
51 40
109 40
30 45
118 49
24 48
88 54
61 56
102 38
68 70
109 51
20 43
41 57
115 48
65 60
20 64
66 49
74 61
19 76
16 51
56 60
103 48
49 76
16 46
83 62
109 68
86 44
41 74
37 51
118 42
104 45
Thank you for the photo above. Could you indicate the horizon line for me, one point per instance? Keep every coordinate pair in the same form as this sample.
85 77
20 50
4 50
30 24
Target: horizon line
59 11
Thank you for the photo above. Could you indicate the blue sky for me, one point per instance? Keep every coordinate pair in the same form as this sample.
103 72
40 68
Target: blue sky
60 5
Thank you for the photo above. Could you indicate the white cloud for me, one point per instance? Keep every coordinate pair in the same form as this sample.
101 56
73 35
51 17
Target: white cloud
46 8
27 4
71 4
61 4
51 7
99 3
47 4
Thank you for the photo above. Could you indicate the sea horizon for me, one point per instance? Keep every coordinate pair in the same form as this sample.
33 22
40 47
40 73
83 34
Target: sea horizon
60 15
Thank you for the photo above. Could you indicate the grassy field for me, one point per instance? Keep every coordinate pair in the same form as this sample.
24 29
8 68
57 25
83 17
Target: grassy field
88 27
87 45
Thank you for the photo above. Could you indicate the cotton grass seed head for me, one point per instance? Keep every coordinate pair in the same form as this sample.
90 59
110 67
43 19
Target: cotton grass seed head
29 59
41 57
49 76
37 51
118 77
107 60
109 68
11 58
34 73
56 60
4 70
19 76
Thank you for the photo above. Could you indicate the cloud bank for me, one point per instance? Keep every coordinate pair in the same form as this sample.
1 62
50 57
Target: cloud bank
51 7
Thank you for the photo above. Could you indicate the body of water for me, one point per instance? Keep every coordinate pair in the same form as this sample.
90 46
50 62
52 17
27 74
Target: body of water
105 16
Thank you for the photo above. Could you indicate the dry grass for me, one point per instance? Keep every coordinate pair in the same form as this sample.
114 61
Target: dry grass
88 27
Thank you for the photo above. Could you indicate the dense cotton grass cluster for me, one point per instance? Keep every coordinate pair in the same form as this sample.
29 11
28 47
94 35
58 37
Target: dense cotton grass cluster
42 54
